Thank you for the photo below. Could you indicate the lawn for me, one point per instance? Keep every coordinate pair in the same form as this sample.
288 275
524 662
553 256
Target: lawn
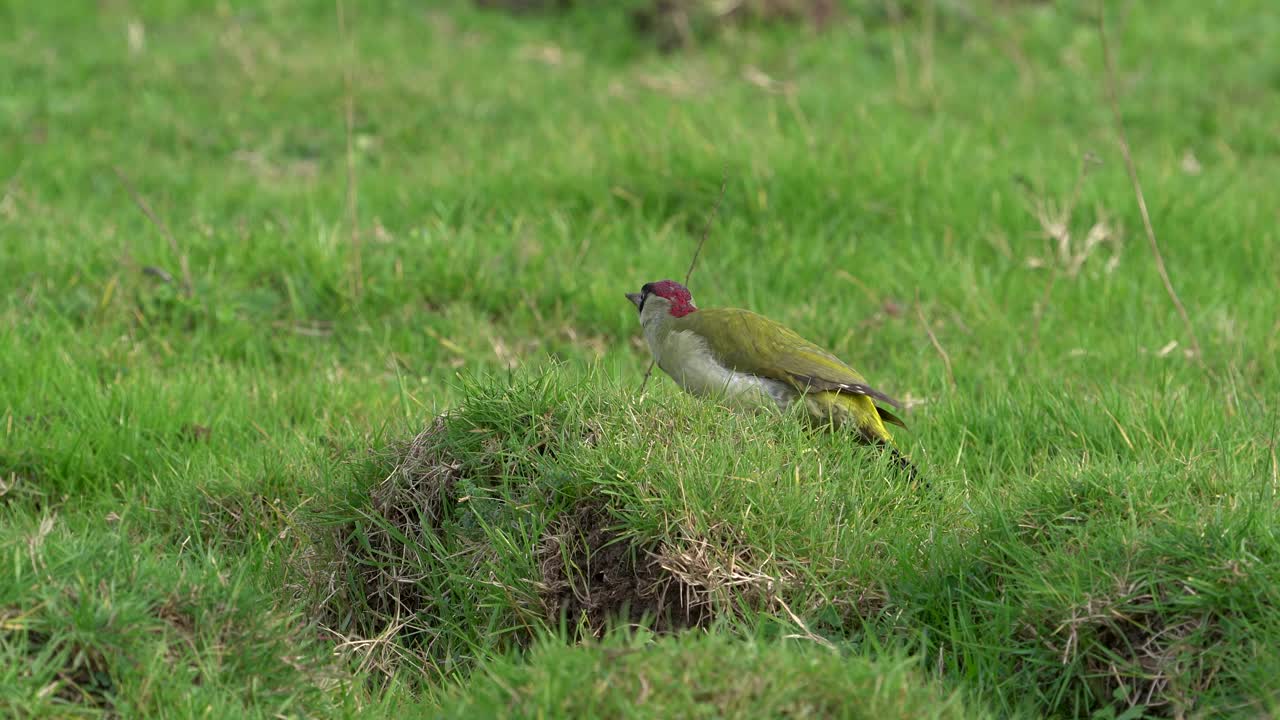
319 395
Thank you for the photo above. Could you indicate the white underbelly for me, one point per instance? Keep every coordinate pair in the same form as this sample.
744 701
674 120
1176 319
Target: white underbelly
686 359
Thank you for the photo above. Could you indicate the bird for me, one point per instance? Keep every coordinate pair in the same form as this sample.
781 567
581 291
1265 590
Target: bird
748 361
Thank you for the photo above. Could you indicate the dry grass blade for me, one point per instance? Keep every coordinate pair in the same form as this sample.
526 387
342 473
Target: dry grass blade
946 359
183 263
349 112
1122 138
706 230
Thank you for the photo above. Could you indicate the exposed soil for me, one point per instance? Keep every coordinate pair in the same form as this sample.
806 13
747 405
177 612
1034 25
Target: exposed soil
590 574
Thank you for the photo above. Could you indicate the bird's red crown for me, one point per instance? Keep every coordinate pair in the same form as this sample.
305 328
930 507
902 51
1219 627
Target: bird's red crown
675 293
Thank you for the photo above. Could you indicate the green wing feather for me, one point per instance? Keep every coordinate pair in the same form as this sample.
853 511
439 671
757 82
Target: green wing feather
752 343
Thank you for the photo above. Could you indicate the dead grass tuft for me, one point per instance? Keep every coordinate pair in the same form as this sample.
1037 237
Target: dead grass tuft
722 573
409 504
421 483
1070 245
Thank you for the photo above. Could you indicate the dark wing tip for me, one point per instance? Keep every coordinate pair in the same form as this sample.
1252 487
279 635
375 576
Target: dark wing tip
846 388
860 389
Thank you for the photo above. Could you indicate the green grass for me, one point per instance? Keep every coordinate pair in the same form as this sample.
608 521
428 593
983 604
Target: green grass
699 677
209 503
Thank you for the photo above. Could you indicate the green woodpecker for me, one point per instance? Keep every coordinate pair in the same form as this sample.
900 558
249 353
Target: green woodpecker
750 361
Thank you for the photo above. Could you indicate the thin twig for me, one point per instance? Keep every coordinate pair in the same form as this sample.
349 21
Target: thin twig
349 111
899 49
183 264
946 359
926 52
706 230
1112 97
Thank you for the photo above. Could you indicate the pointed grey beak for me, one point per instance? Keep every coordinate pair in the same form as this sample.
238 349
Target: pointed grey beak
636 299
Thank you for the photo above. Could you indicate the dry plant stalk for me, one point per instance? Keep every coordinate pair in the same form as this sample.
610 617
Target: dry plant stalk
349 111
183 263
706 230
1122 138
946 359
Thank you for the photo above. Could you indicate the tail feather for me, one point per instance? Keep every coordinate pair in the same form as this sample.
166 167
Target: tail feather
886 416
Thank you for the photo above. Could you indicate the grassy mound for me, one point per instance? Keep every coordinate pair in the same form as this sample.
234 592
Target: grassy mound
544 501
